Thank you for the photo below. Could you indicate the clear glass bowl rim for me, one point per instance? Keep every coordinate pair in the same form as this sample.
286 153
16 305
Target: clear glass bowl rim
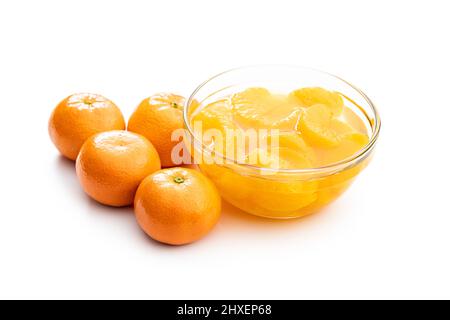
333 167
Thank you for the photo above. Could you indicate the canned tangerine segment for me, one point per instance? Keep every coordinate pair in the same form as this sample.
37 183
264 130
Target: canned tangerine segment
283 196
349 145
292 141
226 180
334 185
258 108
276 194
320 128
308 97
343 176
328 194
212 123
216 115
278 158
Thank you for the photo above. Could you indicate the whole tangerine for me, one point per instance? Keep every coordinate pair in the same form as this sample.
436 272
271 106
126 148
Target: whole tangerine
80 116
112 164
156 118
177 206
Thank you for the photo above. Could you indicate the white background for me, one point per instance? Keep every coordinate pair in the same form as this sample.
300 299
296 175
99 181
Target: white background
387 237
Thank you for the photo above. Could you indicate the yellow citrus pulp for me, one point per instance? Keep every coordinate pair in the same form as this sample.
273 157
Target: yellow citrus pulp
314 128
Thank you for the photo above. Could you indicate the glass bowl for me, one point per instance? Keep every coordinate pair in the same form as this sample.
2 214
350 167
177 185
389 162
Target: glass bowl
283 193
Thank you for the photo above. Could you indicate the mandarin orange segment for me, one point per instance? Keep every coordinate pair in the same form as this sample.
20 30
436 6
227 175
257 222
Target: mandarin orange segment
349 145
320 128
278 158
293 141
286 196
278 203
308 97
282 196
334 185
226 180
289 121
219 131
216 115
258 108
